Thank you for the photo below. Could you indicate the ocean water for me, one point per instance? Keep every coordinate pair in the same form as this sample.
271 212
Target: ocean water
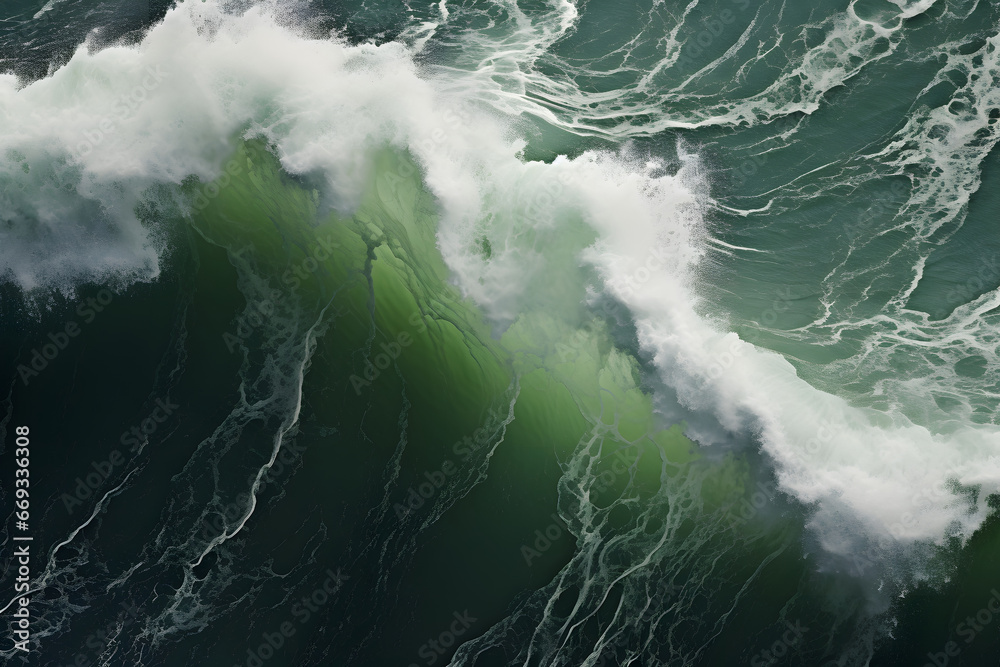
500 333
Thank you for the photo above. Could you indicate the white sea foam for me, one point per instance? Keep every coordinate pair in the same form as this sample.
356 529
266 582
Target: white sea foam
867 474
677 84
81 148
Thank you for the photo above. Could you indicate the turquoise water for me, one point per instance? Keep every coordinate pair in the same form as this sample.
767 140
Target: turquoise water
496 333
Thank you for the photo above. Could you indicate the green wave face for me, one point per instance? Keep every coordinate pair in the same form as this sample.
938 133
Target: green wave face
544 426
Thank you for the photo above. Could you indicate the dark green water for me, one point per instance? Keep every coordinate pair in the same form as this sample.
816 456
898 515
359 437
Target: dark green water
501 333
